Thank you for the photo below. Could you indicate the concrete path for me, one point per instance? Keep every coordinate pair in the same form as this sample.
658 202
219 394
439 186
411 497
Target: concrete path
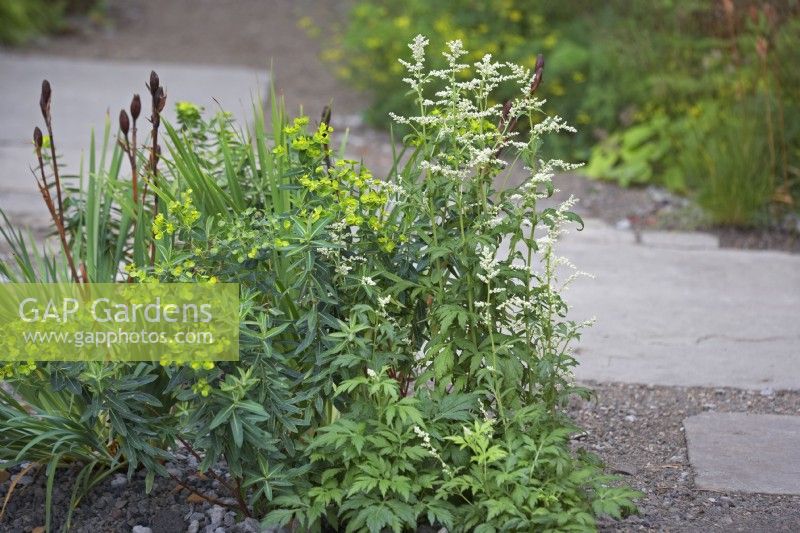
676 310
83 91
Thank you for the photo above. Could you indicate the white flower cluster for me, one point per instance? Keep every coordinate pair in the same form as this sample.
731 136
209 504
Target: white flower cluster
468 103
426 443
489 264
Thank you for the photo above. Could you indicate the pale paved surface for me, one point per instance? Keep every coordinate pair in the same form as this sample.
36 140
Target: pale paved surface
675 310
745 452
83 91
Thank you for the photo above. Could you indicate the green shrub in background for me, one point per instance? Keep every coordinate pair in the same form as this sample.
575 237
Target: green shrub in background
644 80
20 20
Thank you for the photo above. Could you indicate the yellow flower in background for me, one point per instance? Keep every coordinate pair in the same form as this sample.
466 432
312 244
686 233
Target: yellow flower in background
557 89
332 55
550 41
515 15
304 23
578 77
583 118
402 22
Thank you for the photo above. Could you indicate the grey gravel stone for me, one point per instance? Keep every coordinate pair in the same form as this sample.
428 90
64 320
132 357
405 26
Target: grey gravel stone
194 527
141 529
248 525
215 515
119 481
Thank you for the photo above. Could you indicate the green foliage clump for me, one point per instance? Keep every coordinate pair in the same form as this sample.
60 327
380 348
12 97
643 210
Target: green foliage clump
405 351
24 19
644 80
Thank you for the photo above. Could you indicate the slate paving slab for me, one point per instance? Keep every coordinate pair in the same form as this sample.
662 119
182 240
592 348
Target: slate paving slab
744 452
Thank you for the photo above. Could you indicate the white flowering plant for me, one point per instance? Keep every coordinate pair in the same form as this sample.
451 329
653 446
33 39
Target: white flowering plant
455 418
405 353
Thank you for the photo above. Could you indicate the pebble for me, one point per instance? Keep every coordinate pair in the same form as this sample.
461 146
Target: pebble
119 481
767 391
630 418
215 514
141 529
249 525
194 527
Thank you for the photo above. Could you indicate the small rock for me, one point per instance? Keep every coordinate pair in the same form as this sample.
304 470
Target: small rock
215 515
119 481
767 391
38 529
25 480
624 469
4 475
726 501
230 519
630 418
141 529
194 527
167 521
249 525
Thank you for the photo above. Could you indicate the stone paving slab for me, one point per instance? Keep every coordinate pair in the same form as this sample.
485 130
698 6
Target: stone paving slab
83 91
683 314
742 452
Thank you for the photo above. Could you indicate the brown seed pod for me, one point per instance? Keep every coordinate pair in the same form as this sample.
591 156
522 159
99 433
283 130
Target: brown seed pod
37 137
124 122
160 99
44 99
506 109
136 107
154 82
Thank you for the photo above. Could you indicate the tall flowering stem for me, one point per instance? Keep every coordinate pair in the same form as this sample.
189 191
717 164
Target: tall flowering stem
496 317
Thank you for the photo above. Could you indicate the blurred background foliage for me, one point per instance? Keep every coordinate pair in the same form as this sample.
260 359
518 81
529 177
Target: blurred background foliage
699 96
22 20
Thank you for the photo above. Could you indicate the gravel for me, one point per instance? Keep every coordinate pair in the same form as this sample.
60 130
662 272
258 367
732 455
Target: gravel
116 507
